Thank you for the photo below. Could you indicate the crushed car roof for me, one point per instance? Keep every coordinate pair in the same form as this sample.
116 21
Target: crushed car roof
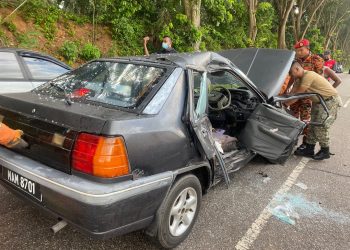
266 68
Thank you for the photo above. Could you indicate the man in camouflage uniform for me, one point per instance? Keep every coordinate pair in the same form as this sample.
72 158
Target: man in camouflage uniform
309 81
311 62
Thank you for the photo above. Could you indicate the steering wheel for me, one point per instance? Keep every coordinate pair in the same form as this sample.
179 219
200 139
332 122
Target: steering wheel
222 100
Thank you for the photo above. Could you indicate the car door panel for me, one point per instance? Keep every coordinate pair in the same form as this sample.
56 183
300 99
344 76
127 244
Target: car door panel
198 118
271 132
8 86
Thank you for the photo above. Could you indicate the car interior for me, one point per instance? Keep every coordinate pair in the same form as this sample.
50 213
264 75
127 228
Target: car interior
230 103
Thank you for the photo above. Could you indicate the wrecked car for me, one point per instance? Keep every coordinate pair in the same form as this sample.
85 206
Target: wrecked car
126 144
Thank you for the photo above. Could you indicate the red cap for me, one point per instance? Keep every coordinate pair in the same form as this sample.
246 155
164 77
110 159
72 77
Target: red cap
302 43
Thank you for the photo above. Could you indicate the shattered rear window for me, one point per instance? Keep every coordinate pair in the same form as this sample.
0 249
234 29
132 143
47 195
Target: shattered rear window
113 83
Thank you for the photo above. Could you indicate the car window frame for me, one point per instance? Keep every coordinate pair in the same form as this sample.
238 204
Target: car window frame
30 76
21 66
250 87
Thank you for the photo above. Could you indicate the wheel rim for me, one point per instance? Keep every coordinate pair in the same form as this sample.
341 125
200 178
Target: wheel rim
183 211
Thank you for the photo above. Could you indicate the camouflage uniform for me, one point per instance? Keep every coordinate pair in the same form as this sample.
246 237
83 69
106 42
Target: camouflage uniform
302 108
321 133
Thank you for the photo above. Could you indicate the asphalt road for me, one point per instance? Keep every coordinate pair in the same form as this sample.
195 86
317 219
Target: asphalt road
300 205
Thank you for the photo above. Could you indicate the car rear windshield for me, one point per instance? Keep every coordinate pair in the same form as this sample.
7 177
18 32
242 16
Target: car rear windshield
113 83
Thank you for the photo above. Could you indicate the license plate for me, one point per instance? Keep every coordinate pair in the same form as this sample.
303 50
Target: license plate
26 185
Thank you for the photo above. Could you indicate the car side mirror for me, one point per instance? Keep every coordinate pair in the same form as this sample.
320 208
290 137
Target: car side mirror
280 99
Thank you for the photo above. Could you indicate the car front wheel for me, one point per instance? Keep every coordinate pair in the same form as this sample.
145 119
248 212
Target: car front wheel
179 211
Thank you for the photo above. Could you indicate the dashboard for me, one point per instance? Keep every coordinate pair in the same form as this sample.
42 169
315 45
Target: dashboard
243 103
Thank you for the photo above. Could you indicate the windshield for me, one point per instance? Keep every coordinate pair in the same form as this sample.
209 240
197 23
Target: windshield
114 83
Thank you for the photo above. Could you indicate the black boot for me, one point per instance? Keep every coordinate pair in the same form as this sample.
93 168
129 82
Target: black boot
302 145
307 151
322 154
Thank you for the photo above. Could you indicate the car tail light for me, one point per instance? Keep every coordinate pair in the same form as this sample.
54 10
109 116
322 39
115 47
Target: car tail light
100 156
80 92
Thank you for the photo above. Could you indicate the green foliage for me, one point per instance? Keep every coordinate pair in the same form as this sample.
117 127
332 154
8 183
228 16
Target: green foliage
182 32
69 51
78 19
89 52
317 40
28 40
45 15
10 26
225 24
266 23
3 39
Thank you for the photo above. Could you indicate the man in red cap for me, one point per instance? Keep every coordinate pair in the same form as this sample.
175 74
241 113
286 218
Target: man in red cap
311 62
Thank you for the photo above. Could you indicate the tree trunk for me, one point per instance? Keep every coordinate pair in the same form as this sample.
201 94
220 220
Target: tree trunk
316 8
252 6
284 9
193 12
335 41
282 36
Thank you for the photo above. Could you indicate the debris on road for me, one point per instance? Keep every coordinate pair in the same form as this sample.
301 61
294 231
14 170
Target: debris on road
266 180
301 185
263 174
289 207
285 214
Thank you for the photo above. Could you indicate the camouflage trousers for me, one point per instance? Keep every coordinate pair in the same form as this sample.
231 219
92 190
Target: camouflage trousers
302 110
321 133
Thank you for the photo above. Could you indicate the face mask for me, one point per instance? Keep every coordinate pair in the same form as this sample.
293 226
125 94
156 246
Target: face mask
165 45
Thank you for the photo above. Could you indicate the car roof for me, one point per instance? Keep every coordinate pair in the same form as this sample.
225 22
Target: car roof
25 52
183 60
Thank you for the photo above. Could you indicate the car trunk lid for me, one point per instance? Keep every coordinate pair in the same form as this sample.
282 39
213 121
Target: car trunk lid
50 126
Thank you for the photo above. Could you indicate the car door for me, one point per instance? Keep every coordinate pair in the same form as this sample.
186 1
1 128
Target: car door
13 77
271 132
197 108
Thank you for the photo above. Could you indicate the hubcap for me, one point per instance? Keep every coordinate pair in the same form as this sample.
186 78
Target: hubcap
183 211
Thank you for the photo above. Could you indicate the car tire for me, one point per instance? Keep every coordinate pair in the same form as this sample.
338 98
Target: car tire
178 212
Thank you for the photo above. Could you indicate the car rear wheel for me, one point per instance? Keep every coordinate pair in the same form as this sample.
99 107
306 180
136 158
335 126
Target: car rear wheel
179 211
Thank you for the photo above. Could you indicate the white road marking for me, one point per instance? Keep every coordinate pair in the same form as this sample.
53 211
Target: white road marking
253 232
347 103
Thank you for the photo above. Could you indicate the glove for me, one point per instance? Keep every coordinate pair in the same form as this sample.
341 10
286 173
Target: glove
11 138
18 144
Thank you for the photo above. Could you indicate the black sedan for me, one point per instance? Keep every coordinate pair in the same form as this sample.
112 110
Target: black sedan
125 144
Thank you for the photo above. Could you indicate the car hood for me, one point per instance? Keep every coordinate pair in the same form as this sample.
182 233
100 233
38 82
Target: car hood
266 68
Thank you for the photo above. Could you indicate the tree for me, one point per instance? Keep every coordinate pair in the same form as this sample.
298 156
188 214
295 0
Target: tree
252 6
284 8
334 14
306 15
193 12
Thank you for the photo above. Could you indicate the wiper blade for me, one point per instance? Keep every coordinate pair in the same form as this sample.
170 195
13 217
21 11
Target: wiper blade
66 95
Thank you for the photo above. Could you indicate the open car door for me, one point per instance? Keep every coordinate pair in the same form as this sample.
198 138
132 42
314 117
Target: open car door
271 132
198 117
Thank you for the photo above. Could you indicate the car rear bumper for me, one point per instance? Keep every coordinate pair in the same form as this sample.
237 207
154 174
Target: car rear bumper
100 209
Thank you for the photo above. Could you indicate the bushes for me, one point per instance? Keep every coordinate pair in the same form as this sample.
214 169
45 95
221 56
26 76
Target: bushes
10 26
90 52
28 40
69 51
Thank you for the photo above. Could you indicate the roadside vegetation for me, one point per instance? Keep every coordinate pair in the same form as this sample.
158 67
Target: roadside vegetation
77 31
